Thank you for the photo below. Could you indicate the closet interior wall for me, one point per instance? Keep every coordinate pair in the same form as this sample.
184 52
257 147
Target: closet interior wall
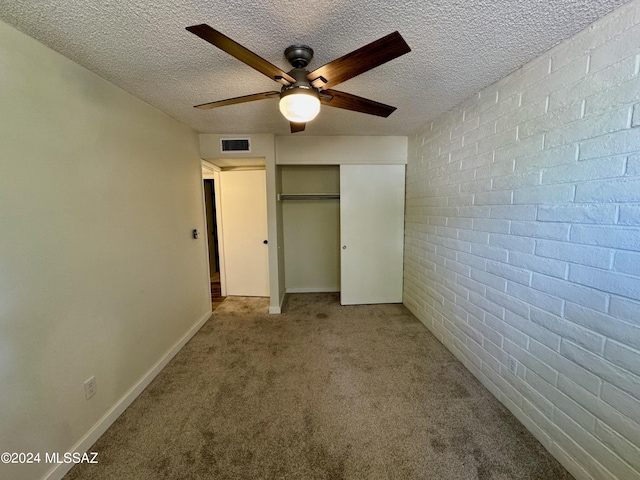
311 229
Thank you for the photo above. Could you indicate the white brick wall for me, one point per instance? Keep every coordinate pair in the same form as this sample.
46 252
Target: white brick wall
523 242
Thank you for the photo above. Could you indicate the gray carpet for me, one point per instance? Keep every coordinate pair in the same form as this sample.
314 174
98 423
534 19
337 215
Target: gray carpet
319 392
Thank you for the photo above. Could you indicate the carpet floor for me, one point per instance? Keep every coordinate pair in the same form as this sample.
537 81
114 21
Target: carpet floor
321 391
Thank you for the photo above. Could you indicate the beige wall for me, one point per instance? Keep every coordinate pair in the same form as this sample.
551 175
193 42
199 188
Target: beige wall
99 274
340 150
311 229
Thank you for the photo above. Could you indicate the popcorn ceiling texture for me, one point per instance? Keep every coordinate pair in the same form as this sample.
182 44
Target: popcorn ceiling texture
458 47
523 243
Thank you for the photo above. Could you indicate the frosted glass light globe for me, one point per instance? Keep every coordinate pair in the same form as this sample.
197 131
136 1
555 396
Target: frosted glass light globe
300 107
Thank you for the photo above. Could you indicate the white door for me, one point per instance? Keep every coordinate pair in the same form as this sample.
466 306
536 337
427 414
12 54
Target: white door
371 233
243 205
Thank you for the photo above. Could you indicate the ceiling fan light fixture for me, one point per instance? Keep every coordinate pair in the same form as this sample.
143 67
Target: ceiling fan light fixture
299 105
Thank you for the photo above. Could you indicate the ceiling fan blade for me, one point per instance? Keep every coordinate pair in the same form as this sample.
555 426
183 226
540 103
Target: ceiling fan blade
234 49
297 127
243 99
359 61
348 101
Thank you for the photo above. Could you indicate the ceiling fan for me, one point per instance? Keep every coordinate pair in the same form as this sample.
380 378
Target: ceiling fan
303 91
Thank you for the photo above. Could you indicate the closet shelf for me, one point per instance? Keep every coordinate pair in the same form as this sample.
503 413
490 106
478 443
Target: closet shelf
308 196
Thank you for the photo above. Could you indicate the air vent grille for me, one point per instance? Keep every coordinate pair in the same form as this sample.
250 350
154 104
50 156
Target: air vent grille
235 145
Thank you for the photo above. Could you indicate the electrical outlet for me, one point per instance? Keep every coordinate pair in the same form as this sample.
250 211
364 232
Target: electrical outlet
90 387
513 365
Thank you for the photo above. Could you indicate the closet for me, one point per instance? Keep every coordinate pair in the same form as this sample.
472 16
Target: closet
343 230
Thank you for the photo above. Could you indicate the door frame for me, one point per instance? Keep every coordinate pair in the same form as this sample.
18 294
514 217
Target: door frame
212 172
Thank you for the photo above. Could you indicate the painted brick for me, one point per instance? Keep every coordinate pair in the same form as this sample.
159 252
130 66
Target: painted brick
508 302
496 141
509 242
620 47
551 120
535 297
604 456
552 231
633 161
625 309
493 198
620 330
627 262
522 148
534 263
490 252
507 182
622 402
531 361
596 214
606 281
581 336
547 158
560 400
624 238
510 273
507 331
635 120
544 194
592 256
514 212
621 190
568 74
624 141
620 96
603 411
623 356
491 225
489 307
599 369
567 303
601 81
489 280
617 443
629 215
589 127
533 330
483 131
495 169
585 170
586 297
566 365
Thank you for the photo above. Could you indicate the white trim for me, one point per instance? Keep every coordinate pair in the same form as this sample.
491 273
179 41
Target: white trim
278 310
313 289
217 193
210 167
60 470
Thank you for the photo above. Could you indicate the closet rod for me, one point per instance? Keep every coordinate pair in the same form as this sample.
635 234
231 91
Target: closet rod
308 196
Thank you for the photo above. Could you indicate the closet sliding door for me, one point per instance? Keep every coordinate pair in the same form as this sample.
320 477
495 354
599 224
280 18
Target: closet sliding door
371 233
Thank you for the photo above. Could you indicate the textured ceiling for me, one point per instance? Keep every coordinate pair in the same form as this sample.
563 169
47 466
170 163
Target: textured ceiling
458 47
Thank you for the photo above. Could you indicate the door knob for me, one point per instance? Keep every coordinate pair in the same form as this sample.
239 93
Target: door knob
344 247
265 242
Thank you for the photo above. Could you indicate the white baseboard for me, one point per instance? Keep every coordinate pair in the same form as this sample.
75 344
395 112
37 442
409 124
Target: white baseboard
278 310
60 470
330 289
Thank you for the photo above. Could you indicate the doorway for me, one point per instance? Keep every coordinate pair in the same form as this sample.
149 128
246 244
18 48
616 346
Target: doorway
212 227
212 240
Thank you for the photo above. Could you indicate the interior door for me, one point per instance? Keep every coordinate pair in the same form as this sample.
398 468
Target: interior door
243 205
371 233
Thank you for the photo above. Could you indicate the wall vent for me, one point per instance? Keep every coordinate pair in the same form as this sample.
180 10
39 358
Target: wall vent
235 145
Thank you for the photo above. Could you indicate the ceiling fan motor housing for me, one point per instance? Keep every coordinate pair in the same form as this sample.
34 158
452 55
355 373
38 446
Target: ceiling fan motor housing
301 85
298 56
